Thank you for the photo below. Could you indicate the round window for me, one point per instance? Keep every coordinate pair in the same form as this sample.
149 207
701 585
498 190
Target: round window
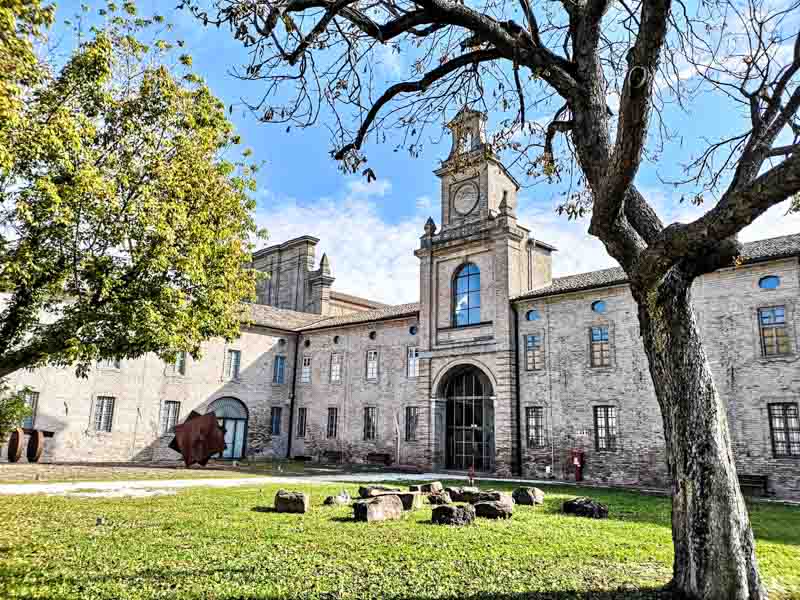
372 335
413 330
336 339
770 282
532 315
307 343
599 306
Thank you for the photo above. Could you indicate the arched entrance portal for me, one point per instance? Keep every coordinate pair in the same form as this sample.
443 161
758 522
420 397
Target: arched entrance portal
232 417
469 419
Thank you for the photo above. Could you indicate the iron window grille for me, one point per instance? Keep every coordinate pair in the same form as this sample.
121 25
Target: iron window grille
275 414
333 422
31 399
605 428
372 365
279 370
534 353
534 420
170 411
103 413
336 367
412 418
413 361
302 414
784 425
774 337
370 423
467 296
305 373
600 347
233 362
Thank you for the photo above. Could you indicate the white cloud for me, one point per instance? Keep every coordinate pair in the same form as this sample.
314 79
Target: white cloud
373 257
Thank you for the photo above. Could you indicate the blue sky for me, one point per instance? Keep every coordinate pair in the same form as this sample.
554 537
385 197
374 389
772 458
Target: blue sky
370 231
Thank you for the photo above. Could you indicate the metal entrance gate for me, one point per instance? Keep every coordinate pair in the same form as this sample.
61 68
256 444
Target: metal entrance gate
470 423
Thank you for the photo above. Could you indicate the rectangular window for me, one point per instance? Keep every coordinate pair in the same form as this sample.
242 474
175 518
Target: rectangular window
279 369
302 413
534 420
333 422
534 353
774 337
103 413
275 414
31 401
305 373
370 423
372 365
784 425
170 411
179 366
605 427
413 361
412 416
233 360
600 349
336 368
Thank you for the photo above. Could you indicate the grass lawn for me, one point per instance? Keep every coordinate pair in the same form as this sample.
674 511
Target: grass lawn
60 473
206 543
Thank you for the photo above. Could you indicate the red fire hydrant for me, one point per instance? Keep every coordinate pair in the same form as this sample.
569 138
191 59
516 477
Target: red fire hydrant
577 456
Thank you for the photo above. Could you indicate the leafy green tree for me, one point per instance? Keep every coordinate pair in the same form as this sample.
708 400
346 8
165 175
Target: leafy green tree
123 229
13 409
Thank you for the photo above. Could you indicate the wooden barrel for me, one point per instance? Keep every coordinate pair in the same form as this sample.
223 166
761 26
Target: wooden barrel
15 445
35 446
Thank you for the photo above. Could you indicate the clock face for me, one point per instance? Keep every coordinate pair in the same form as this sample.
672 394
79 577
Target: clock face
465 198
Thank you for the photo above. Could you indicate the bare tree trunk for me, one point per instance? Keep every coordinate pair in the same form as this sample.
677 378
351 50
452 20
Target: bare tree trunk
714 547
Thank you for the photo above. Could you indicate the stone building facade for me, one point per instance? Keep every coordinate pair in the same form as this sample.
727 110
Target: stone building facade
499 367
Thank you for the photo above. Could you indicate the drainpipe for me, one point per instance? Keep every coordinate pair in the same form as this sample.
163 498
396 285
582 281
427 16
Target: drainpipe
291 397
517 388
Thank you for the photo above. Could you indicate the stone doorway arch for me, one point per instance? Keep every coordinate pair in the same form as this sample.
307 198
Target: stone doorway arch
465 419
232 416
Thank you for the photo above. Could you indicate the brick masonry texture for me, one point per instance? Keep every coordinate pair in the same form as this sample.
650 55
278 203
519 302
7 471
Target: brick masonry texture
299 309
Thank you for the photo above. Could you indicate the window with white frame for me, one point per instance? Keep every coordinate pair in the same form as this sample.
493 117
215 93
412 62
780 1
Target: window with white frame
336 367
413 361
370 423
534 352
305 373
279 369
372 365
233 362
103 413
31 399
302 415
774 335
170 411
605 427
534 421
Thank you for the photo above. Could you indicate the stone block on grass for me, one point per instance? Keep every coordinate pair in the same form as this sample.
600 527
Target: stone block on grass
291 502
379 508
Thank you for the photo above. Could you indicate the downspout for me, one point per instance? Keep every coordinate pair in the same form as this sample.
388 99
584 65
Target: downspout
291 397
517 388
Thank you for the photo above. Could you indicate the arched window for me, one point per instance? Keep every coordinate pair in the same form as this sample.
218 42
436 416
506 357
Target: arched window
232 417
467 296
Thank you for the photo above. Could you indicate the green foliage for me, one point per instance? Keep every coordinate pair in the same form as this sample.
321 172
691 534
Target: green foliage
225 543
123 230
12 409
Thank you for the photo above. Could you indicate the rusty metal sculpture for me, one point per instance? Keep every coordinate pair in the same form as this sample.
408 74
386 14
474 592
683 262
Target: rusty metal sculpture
35 446
198 439
15 445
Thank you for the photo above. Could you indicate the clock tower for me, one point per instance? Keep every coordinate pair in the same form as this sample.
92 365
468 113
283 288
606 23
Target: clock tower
470 268
474 182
